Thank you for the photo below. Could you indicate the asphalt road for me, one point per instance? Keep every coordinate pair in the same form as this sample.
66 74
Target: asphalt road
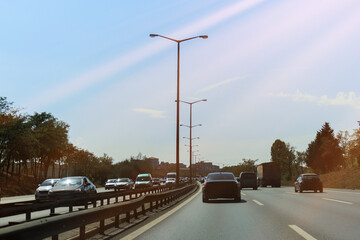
267 213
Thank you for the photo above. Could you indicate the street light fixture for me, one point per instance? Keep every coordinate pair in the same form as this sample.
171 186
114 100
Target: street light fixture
191 126
178 97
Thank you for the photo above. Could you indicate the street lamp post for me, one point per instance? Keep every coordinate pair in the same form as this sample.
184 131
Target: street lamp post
190 104
178 96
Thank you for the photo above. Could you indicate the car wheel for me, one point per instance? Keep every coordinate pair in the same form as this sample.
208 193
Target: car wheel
205 199
300 190
321 190
295 189
255 188
315 190
237 199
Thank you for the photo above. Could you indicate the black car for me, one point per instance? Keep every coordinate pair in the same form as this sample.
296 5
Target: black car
221 185
72 187
308 181
248 180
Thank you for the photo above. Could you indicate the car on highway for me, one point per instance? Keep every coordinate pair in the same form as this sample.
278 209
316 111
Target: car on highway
221 185
170 179
156 181
248 180
143 181
41 193
70 187
110 184
123 184
308 181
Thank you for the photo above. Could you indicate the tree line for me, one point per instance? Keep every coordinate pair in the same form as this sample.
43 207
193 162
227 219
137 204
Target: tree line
326 153
38 145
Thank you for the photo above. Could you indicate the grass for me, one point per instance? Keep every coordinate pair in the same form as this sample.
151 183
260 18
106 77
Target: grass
26 186
345 178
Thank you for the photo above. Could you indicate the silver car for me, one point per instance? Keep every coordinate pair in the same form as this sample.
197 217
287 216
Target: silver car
124 183
42 191
70 187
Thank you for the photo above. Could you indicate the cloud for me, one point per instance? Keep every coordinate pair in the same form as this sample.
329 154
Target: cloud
118 64
341 99
152 113
216 85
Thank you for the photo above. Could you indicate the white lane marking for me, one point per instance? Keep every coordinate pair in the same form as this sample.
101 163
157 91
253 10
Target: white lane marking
334 200
343 192
159 219
302 232
292 193
243 194
257 202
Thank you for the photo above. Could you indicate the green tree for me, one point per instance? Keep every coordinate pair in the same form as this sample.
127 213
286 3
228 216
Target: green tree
284 154
325 154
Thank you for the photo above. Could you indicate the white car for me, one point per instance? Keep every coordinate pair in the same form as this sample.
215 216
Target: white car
110 184
42 191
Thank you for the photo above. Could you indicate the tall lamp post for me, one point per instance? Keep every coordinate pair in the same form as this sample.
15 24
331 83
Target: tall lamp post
190 104
178 96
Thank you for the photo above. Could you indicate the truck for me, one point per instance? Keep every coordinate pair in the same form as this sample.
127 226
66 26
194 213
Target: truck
268 173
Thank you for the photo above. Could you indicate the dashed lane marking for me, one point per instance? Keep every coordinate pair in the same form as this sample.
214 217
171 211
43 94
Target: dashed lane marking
302 232
339 201
257 202
342 192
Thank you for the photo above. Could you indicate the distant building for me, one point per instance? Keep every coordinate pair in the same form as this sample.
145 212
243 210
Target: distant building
203 168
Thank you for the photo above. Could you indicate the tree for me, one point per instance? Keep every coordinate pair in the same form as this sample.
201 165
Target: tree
325 154
284 154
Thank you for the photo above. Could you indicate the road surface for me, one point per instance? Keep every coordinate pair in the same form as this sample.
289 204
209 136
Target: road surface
266 213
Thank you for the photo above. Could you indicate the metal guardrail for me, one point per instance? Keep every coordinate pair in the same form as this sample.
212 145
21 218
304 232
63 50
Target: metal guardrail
53 226
27 207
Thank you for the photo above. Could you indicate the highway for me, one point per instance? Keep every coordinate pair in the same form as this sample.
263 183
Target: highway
267 213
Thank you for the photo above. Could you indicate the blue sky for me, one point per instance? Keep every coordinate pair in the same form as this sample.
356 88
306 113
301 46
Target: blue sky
269 70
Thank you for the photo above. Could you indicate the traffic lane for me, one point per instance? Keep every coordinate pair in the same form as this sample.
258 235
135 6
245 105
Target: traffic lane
321 218
221 219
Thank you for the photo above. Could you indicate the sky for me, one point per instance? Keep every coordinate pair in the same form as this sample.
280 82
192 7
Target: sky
269 70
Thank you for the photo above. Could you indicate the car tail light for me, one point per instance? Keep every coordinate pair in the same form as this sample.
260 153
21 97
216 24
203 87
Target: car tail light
205 184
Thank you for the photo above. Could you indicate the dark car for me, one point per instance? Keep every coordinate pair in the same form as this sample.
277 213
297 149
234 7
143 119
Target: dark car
308 181
124 184
70 187
156 181
221 185
248 180
42 191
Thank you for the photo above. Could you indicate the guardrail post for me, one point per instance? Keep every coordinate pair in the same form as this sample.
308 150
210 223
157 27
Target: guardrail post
102 202
135 213
52 211
143 209
108 201
86 205
94 204
70 207
151 206
128 217
82 232
102 226
117 198
55 237
157 204
28 216
117 221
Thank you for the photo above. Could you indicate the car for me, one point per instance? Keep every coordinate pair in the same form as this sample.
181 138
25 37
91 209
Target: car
143 181
156 181
308 181
248 180
42 191
170 179
124 184
72 187
221 185
110 184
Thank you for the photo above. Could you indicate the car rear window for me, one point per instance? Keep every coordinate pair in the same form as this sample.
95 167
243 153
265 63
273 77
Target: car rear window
310 177
248 175
143 179
221 176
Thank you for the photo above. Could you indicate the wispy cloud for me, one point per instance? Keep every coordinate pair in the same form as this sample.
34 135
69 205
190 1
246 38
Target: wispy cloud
341 99
216 85
116 65
151 112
